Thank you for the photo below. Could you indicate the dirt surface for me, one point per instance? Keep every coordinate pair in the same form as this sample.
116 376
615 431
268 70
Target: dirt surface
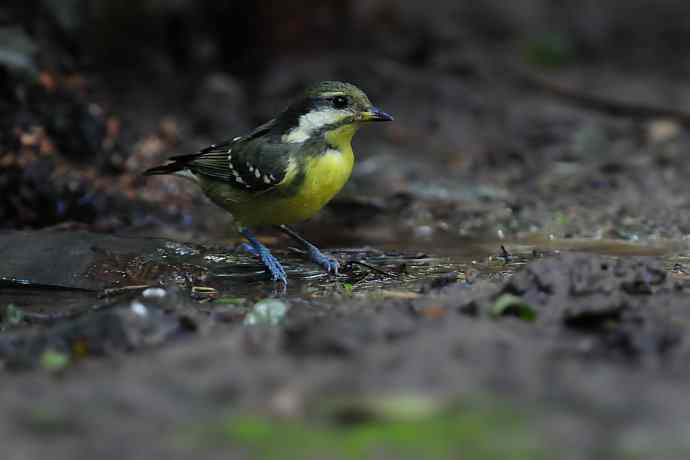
587 352
514 247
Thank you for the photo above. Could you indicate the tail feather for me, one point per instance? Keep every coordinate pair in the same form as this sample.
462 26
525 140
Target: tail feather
178 163
171 168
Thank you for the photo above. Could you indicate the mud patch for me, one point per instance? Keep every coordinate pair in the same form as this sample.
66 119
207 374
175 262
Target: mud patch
607 335
631 309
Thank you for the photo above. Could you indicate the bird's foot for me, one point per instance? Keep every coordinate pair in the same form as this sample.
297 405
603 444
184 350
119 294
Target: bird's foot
273 267
329 264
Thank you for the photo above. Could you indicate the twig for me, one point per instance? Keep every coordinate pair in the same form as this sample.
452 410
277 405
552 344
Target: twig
48 318
600 103
505 254
297 251
374 268
204 293
121 290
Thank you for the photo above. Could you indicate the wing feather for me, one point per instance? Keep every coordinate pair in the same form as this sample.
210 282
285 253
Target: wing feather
252 163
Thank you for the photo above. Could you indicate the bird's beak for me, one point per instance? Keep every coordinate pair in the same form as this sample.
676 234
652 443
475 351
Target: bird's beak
374 114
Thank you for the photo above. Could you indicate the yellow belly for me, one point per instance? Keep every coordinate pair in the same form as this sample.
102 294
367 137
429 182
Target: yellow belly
325 176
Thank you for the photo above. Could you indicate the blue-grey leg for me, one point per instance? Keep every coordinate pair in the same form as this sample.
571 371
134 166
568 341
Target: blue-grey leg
315 255
247 247
264 254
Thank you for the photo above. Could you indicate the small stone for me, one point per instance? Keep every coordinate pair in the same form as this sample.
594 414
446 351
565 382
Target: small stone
268 311
139 308
663 130
156 293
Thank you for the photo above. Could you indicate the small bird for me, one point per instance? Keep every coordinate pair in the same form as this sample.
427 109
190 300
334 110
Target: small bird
285 170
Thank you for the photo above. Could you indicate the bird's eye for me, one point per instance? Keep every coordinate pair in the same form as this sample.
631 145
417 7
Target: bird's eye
340 102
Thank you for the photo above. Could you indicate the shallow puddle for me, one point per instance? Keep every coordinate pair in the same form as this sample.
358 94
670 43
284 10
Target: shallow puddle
110 263
46 303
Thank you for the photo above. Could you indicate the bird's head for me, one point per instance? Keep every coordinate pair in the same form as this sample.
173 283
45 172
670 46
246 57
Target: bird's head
330 108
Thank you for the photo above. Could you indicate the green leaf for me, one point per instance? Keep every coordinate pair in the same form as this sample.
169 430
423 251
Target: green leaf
347 288
230 300
54 361
13 315
509 304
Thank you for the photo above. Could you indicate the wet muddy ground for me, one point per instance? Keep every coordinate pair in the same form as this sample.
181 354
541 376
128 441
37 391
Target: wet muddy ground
140 347
515 268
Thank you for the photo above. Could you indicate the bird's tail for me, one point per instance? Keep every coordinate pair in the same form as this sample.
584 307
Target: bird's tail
170 168
176 164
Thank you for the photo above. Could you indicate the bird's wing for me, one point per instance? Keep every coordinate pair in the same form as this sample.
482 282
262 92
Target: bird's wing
183 160
251 163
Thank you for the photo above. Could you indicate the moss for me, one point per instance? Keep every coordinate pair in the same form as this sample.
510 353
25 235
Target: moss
549 50
471 433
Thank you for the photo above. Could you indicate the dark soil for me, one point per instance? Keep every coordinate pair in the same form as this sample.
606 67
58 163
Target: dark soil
609 337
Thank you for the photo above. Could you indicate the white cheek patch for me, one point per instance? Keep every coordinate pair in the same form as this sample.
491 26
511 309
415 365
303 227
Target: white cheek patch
312 122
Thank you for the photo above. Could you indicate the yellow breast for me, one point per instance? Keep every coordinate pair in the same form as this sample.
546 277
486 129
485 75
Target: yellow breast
324 176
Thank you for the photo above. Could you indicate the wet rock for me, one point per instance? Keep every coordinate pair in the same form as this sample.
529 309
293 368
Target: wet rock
440 282
123 328
117 330
87 260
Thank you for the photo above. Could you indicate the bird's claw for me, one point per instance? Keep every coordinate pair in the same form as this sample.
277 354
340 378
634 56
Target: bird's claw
329 264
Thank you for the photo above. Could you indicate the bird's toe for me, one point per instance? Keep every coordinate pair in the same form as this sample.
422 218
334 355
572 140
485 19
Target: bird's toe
274 267
329 264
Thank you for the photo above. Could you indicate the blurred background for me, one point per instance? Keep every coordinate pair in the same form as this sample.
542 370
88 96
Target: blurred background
93 92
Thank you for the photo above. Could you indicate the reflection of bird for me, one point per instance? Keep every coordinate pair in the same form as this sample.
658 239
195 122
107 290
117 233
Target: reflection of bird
285 170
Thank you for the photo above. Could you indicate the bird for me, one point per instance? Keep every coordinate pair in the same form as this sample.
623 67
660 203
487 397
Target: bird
285 170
